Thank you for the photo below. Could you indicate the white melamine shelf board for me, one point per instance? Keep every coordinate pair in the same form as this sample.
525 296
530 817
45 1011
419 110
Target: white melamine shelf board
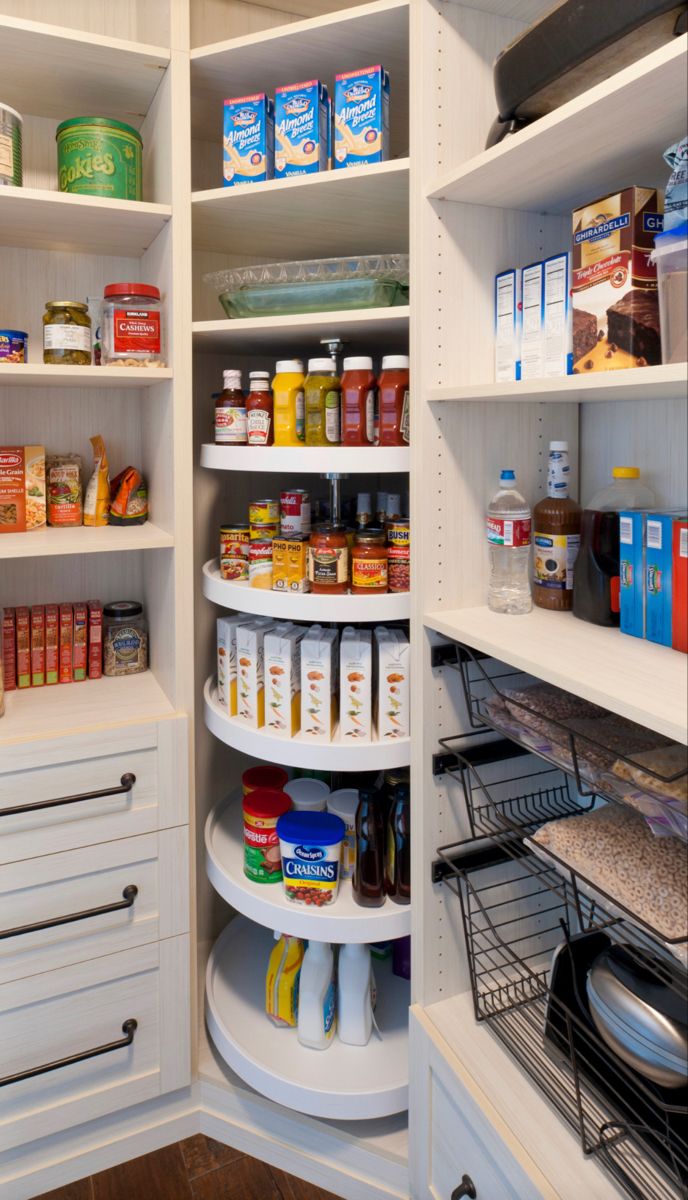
300 751
518 10
77 707
308 460
44 220
605 139
643 383
368 328
299 606
349 1082
356 210
48 375
48 542
320 46
78 73
342 922
637 679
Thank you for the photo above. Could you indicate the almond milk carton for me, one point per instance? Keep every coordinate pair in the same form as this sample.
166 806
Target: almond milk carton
356 685
283 681
226 661
392 709
250 652
319 662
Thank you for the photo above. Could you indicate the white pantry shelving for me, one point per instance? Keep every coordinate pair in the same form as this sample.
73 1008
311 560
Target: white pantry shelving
44 543
298 460
650 383
45 220
42 375
369 328
343 922
302 606
346 1082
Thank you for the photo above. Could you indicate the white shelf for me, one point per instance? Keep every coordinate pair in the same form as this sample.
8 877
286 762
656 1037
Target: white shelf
300 751
45 375
69 708
44 220
642 383
608 137
368 328
50 71
343 1083
47 542
344 921
637 679
313 460
357 210
299 606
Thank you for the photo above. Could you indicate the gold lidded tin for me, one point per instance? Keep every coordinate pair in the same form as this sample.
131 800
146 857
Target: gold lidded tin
263 512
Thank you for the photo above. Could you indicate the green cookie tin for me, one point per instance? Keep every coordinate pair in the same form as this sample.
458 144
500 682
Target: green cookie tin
97 156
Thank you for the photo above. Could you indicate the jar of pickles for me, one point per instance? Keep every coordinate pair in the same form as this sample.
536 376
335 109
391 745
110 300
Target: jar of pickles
66 333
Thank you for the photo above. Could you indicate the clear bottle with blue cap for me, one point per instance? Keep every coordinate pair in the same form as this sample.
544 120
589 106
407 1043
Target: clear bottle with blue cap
508 536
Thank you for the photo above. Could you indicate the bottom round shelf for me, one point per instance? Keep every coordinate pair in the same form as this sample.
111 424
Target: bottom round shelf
340 1083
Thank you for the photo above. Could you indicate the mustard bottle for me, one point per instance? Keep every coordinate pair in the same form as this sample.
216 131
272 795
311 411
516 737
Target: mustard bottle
323 395
289 412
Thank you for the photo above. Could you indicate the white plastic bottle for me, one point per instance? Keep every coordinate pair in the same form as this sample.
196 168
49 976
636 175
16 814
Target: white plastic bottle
508 536
354 995
317 997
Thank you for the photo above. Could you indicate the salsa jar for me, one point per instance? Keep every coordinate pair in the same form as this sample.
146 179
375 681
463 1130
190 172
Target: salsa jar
369 563
328 560
66 333
358 402
394 400
132 326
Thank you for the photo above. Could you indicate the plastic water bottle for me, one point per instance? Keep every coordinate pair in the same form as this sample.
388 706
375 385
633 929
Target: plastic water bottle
508 536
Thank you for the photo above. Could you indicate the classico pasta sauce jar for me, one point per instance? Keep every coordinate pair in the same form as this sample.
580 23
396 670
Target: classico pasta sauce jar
97 156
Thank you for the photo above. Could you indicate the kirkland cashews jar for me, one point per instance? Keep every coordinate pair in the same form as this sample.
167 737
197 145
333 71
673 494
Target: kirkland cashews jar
311 847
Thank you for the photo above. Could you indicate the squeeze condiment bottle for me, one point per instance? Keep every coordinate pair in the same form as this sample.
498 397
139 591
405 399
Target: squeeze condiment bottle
394 400
323 395
260 410
556 535
358 402
288 398
230 411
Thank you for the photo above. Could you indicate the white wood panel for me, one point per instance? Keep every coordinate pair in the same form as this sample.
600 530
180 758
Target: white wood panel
84 540
136 20
216 20
42 375
104 716
85 224
650 383
367 329
651 435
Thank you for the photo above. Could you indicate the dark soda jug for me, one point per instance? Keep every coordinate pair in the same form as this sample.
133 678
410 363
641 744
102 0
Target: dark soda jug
596 573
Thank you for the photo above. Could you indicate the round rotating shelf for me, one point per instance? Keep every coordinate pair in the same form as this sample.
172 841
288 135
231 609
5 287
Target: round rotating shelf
314 460
341 1083
300 751
393 606
265 903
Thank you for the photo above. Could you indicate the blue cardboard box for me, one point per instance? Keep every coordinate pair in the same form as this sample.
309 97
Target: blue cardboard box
361 117
632 572
249 140
658 572
301 129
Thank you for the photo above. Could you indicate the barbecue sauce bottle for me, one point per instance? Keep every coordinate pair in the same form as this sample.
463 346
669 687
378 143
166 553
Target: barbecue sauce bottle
368 881
556 536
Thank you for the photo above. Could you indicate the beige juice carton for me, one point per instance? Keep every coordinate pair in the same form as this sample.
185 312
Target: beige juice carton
392 708
356 685
226 661
319 662
283 681
250 653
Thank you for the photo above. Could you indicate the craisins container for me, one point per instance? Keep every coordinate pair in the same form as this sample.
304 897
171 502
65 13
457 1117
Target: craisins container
132 330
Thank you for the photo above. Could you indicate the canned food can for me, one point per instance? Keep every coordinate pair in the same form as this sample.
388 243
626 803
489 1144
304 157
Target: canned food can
399 533
14 345
263 512
260 533
295 513
97 156
260 564
234 569
399 569
234 541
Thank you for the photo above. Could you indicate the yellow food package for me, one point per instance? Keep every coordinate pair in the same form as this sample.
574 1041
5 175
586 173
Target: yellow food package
97 498
282 980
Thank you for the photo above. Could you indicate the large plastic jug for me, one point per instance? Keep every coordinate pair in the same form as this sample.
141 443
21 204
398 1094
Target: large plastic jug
596 573
317 1017
354 995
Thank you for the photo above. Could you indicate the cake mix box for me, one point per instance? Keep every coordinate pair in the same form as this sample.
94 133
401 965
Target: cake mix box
301 129
249 140
282 650
361 117
9 649
614 284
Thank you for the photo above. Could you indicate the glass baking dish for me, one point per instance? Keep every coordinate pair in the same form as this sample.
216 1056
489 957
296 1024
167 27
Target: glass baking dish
317 285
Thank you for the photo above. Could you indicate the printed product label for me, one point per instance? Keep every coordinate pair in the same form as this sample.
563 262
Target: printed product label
654 535
332 418
369 572
626 531
310 875
261 850
300 417
554 559
66 337
405 426
258 427
136 331
6 161
126 644
501 532
230 425
328 567
329 1010
683 543
370 417
399 569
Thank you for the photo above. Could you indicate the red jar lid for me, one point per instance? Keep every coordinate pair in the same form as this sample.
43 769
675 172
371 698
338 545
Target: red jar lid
272 778
132 289
266 804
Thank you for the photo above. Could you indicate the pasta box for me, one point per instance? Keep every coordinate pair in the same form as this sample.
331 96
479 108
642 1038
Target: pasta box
22 488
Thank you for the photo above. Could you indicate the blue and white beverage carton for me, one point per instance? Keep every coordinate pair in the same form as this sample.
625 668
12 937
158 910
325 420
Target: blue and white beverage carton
361 117
301 129
507 326
249 140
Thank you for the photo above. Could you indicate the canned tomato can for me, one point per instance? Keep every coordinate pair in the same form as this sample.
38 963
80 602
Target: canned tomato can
260 564
263 512
234 541
295 513
260 533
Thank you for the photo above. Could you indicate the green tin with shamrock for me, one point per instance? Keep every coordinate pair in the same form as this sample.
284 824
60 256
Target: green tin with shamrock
99 157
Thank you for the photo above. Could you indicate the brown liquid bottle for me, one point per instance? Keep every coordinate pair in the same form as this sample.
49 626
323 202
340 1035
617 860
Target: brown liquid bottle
398 856
556 536
368 881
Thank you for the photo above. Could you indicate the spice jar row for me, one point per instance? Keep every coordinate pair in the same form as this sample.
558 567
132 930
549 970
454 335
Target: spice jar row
317 408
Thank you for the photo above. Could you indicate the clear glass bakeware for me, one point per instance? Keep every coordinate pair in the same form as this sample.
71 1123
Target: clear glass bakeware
316 285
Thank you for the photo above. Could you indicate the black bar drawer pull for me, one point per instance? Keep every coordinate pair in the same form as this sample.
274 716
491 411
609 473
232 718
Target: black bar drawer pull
128 1029
126 784
128 896
465 1188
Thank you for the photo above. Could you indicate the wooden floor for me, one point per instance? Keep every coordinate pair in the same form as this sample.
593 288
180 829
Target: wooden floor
196 1169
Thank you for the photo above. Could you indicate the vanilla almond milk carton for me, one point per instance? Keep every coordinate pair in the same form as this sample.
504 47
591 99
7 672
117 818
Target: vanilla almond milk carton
249 140
302 113
392 708
361 117
356 685
227 662
250 653
282 650
319 661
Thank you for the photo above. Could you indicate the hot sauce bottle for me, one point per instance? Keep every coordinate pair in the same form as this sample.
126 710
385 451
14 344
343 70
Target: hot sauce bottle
359 388
260 410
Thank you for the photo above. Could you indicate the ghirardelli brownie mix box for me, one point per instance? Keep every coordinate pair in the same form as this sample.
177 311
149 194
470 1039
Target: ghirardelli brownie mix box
615 305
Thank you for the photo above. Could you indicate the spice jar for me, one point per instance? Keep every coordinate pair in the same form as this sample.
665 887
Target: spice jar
394 400
369 562
125 638
328 560
358 402
132 326
66 333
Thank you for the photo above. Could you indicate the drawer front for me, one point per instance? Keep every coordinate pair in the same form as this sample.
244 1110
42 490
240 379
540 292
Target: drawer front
81 904
73 1012
60 794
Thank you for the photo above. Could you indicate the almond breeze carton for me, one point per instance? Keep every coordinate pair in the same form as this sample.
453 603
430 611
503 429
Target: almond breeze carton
282 650
249 140
361 117
319 661
301 129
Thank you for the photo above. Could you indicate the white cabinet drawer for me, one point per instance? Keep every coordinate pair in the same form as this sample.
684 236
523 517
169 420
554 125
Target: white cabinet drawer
67 908
74 1011
118 782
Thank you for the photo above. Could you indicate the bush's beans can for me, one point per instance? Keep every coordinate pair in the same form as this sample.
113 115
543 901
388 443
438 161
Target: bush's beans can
295 513
263 512
234 541
399 559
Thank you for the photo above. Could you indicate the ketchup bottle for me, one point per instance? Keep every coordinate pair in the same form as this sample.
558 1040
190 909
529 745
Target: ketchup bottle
368 881
358 402
394 400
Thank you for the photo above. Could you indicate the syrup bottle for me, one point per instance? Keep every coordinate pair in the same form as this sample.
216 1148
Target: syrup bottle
398 856
368 881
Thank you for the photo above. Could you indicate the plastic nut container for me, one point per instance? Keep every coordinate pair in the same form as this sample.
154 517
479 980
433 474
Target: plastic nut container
132 326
